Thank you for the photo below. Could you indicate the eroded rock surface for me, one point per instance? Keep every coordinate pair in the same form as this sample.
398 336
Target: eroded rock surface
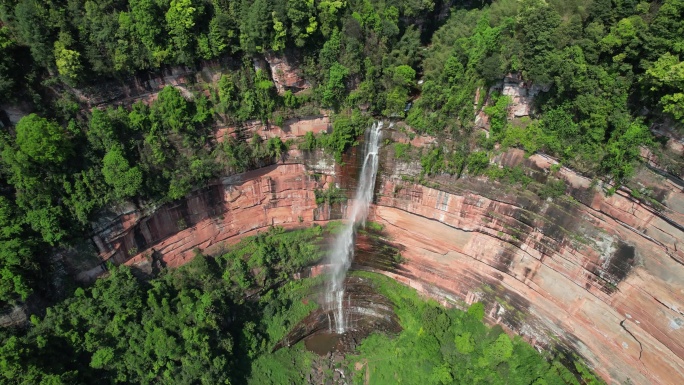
290 129
521 92
280 195
602 276
286 76
599 275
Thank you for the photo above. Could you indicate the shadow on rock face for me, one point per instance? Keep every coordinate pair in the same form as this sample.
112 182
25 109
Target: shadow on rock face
622 261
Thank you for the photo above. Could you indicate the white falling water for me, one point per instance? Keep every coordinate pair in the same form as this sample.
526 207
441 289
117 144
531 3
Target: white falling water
343 249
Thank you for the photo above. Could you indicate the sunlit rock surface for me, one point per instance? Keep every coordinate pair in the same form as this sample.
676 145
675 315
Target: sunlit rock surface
286 76
280 195
290 129
598 275
602 276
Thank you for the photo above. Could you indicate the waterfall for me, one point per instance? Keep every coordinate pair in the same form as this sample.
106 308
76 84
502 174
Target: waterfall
343 248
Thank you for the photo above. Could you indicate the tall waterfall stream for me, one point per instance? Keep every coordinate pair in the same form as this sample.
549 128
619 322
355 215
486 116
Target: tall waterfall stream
342 251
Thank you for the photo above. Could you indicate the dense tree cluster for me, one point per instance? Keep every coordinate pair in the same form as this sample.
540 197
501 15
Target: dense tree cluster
601 58
610 68
191 325
78 39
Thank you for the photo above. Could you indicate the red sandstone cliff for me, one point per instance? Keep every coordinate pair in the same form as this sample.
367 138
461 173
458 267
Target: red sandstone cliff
600 275
280 195
603 275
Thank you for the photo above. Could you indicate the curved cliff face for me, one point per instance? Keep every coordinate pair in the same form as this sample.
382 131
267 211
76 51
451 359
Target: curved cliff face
238 205
601 276
598 275
207 219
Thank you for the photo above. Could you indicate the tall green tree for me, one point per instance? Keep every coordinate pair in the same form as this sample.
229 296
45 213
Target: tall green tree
146 17
172 111
42 141
17 264
180 21
256 25
303 23
335 88
118 173
666 77
34 28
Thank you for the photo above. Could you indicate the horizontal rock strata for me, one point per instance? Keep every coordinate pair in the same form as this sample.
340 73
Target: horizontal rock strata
280 195
599 275
602 276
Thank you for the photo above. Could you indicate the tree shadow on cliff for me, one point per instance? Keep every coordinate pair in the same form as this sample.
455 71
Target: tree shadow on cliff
151 268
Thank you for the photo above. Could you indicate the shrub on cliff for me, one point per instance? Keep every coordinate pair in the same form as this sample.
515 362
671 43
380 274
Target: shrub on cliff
124 179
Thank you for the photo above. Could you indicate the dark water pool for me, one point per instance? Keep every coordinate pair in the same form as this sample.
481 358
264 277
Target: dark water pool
322 343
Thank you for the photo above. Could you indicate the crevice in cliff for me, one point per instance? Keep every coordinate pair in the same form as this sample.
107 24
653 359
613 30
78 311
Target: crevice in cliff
671 177
418 215
455 190
668 306
664 247
655 213
641 348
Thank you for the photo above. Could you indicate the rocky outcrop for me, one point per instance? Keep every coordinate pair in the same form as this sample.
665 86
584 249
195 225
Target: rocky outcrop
402 133
144 87
521 92
13 316
11 114
670 156
298 127
290 129
600 275
286 76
